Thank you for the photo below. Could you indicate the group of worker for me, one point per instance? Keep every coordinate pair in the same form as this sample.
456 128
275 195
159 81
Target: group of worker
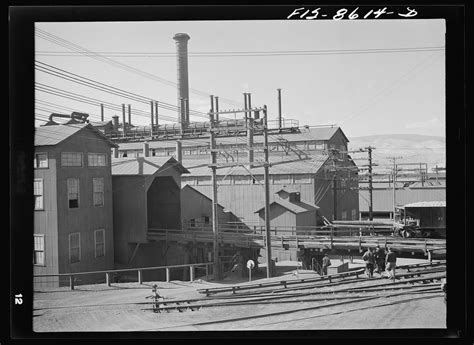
378 260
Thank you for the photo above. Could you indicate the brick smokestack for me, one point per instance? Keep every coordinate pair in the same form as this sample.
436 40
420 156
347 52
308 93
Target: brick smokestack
182 65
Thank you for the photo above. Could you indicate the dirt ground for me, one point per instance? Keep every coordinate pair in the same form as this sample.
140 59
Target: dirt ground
100 308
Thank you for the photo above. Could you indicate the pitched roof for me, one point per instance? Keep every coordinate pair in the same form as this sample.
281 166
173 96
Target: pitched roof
305 134
295 207
426 204
143 165
200 167
55 134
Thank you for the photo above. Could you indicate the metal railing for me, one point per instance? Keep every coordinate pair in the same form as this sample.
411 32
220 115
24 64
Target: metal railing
108 273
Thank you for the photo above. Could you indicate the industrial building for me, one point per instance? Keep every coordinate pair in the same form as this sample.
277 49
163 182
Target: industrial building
73 224
146 195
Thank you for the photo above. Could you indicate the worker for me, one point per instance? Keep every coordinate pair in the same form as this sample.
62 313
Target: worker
368 257
379 256
391 263
444 287
326 264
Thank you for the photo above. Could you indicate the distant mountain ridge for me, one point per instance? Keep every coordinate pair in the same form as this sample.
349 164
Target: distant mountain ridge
408 148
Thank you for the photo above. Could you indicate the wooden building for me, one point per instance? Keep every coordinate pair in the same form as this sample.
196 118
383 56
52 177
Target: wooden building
73 225
146 195
289 212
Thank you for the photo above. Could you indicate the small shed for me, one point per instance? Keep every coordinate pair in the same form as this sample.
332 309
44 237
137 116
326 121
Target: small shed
289 212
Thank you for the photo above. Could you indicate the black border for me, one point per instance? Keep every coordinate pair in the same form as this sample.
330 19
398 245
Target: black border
21 130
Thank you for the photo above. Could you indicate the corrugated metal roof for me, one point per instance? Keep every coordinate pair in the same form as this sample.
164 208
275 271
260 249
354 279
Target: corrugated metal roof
278 167
310 134
295 207
427 204
142 165
55 134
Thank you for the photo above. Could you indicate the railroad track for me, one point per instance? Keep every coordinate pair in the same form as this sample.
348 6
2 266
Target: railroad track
418 280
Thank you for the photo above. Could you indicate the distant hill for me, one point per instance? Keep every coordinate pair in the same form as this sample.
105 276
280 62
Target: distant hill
412 148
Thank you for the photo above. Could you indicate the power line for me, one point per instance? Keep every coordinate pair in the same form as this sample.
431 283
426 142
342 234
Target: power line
251 53
81 50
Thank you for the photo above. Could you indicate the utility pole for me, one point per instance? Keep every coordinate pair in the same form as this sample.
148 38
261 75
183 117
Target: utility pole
267 194
394 174
371 208
334 186
215 227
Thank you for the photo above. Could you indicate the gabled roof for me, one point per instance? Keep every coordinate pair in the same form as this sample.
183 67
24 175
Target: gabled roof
55 134
295 207
143 165
426 204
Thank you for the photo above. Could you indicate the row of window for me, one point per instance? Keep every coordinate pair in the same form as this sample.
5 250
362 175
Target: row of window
74 247
71 159
73 194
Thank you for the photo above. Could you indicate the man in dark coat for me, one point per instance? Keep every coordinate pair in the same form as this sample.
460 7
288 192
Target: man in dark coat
326 264
368 257
391 263
379 256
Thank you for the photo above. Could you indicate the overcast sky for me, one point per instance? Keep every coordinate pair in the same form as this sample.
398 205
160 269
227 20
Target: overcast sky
366 92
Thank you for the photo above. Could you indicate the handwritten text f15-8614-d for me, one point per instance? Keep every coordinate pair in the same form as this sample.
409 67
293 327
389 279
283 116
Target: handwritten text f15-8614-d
344 13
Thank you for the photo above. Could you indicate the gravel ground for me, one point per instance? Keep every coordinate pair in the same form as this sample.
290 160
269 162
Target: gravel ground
101 308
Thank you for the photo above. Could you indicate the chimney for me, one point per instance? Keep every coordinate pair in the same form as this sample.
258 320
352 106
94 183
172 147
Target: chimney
146 149
279 108
179 151
182 62
250 141
115 122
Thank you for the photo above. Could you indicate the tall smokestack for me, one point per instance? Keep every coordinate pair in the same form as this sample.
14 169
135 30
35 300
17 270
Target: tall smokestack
115 122
182 65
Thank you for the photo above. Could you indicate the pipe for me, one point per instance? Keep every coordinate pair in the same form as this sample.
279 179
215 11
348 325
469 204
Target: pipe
182 69
123 119
279 108
129 114
146 149
217 108
101 112
179 151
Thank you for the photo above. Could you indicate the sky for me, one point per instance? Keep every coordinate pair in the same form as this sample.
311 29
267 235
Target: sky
328 71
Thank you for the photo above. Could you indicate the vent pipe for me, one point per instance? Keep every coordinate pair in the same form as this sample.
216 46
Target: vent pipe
115 122
179 151
146 149
182 71
279 109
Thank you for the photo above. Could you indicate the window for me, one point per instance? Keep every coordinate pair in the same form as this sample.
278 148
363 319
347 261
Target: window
206 219
344 215
73 192
96 160
98 190
71 159
354 214
99 236
38 193
38 250
41 160
74 247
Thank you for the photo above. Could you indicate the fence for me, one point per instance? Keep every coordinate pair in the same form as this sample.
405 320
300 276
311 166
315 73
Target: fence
108 273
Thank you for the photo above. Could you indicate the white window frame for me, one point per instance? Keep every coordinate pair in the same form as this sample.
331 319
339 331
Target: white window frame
94 191
39 250
78 193
72 166
42 193
36 161
96 154
79 246
96 243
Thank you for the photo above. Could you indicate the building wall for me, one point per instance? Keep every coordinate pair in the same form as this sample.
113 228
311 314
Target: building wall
46 221
163 204
86 218
306 218
129 214
196 206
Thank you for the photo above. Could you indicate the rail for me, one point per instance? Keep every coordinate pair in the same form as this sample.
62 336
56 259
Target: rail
108 273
